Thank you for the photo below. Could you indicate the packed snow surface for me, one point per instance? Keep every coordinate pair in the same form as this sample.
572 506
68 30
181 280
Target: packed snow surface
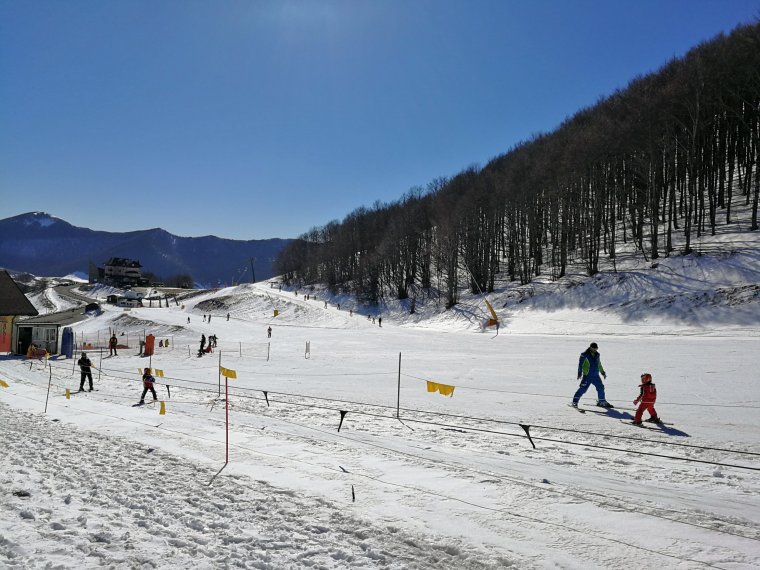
413 479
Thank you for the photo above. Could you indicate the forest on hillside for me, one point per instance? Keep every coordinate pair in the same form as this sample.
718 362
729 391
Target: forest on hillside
671 153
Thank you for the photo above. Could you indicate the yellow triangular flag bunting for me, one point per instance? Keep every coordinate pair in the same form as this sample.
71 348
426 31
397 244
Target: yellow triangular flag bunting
162 411
139 371
159 373
3 383
432 386
227 372
68 394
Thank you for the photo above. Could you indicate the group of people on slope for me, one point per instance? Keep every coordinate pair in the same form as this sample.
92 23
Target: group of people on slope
85 367
591 372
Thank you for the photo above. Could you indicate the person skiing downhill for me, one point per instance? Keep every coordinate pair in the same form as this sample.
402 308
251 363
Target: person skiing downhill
589 369
647 397
148 381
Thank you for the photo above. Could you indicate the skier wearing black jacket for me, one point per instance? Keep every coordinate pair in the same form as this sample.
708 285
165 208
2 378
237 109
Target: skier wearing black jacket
85 365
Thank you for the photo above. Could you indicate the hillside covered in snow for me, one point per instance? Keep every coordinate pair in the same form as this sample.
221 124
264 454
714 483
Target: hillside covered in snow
340 455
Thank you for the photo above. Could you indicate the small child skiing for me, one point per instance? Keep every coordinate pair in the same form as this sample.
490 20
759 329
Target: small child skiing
647 397
148 381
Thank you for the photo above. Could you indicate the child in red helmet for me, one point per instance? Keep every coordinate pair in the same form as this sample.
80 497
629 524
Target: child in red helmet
647 397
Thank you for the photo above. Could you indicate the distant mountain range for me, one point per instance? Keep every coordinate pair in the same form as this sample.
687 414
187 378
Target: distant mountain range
42 244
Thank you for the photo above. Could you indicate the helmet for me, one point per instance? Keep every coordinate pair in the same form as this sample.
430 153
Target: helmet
84 354
146 371
646 378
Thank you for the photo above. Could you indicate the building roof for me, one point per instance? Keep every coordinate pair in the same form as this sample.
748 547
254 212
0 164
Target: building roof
62 318
122 262
13 302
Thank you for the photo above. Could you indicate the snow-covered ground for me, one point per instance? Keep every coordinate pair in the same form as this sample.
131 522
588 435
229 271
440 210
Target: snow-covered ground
452 482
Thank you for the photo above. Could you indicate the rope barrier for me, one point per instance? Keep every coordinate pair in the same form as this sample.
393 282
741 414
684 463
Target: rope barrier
564 397
425 491
481 430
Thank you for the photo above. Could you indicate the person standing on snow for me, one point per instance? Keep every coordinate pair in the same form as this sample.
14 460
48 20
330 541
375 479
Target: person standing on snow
203 343
112 345
269 332
85 365
647 397
148 382
589 369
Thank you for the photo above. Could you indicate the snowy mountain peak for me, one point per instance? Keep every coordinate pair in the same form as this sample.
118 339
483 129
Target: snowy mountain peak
42 219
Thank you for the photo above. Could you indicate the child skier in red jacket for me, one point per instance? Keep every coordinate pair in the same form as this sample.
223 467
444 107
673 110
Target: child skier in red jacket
647 397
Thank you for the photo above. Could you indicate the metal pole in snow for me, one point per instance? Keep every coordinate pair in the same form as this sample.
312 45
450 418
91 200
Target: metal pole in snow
398 395
227 421
50 381
219 371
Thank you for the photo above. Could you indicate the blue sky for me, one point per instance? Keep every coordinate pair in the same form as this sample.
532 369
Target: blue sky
259 119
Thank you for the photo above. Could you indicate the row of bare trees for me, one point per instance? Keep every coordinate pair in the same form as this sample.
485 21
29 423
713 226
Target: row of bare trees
669 156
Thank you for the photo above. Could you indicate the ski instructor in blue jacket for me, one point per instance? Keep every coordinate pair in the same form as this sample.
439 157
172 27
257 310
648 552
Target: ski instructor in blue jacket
589 369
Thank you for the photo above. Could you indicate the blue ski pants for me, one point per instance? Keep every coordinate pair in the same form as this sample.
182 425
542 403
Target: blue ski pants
585 383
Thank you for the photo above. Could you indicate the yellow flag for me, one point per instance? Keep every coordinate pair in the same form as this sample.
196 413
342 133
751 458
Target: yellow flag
3 383
227 372
68 394
493 313
443 389
159 373
162 411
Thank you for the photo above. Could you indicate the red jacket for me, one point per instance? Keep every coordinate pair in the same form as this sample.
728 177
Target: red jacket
148 380
648 394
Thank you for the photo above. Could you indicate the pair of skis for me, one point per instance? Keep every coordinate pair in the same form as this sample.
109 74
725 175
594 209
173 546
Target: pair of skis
630 423
583 411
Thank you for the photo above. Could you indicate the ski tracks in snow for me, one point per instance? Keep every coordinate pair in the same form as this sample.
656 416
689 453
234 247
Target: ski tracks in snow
75 499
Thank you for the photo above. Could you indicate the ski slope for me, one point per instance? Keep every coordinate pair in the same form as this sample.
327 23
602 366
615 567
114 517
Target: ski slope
453 482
